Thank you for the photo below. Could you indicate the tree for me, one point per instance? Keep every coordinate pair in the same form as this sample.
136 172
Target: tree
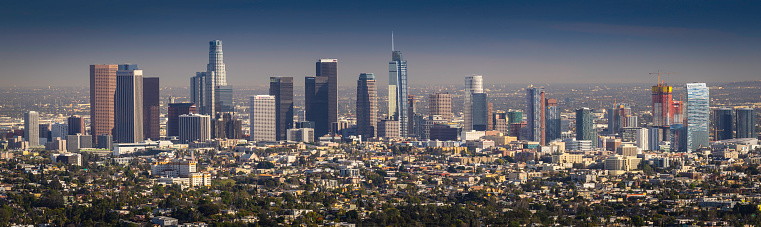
265 165
636 220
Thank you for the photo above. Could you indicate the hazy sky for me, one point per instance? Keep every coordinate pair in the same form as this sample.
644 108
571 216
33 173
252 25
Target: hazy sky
53 42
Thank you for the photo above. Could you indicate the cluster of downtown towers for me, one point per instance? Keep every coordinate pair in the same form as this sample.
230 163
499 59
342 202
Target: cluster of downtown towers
125 104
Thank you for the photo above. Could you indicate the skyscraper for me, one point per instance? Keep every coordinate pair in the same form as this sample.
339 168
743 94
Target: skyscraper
643 139
32 128
618 117
223 93
44 134
216 63
479 111
440 104
722 123
194 127
367 106
662 105
397 90
411 116
282 89
321 96
102 91
697 115
76 124
585 128
552 119
263 118
129 104
746 123
209 90
202 92
223 96
151 111
473 85
173 116
535 114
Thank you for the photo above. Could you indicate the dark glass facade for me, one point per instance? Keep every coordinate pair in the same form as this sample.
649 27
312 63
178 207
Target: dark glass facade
321 94
746 123
151 96
723 121
173 116
480 111
282 89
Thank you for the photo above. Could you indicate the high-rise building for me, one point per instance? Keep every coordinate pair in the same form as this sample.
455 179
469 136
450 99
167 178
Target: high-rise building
479 111
194 127
499 119
585 128
367 106
388 129
79 141
32 128
59 130
443 132
129 104
552 120
617 118
397 91
662 105
224 98
514 117
321 96
226 126
473 85
697 115
216 63
746 123
411 116
209 90
642 139
678 138
489 117
654 138
223 93
173 116
263 118
104 141
722 123
44 133
440 104
102 91
76 125
305 135
282 89
202 92
516 128
535 114
151 108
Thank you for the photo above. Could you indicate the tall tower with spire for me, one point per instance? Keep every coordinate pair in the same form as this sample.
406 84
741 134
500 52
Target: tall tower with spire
397 90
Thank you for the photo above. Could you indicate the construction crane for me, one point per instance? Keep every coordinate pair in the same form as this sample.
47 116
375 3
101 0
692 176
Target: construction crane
659 75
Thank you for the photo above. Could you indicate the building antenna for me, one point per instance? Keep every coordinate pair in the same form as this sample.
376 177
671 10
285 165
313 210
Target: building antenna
392 40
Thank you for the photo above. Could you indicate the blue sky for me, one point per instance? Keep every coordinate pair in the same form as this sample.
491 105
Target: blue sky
53 42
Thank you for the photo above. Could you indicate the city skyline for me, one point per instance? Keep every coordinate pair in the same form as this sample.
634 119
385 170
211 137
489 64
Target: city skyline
509 42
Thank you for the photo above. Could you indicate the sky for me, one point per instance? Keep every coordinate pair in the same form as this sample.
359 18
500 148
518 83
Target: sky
52 43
